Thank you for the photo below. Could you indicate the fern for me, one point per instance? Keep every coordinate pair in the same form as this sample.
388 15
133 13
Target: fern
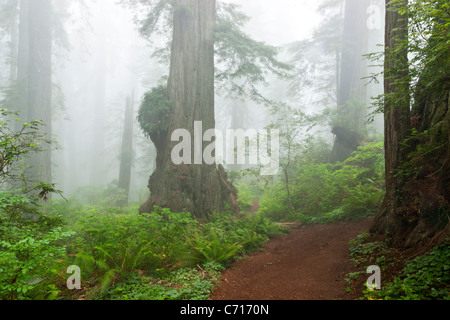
108 280
88 262
215 249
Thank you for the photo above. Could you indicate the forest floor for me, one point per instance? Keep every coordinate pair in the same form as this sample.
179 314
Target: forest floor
309 263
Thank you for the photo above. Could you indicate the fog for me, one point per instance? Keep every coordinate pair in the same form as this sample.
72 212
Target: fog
224 149
102 59
107 62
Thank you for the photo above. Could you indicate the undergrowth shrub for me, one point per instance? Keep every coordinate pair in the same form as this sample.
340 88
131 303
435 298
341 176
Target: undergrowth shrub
324 192
226 237
31 244
211 247
31 257
99 196
110 246
179 284
172 255
245 196
205 251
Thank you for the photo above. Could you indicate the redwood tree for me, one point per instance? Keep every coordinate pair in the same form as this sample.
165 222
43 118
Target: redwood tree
199 189
396 112
415 209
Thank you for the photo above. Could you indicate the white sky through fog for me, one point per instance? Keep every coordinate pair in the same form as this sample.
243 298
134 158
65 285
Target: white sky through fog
278 22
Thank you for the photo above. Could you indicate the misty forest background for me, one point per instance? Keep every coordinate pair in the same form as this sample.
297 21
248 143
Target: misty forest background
92 90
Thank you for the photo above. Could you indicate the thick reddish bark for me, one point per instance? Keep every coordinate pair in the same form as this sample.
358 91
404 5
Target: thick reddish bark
415 209
396 118
198 189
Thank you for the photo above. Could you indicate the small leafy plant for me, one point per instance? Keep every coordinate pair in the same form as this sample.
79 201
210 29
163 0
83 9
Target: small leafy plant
424 278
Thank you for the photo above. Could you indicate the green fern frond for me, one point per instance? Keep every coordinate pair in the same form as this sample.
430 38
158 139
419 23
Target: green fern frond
108 280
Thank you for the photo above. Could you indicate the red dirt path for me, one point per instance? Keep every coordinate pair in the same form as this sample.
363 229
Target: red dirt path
310 263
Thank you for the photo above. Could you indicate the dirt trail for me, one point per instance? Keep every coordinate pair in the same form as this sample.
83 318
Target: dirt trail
310 263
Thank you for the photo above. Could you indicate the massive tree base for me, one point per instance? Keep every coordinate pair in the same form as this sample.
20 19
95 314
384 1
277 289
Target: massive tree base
421 222
199 190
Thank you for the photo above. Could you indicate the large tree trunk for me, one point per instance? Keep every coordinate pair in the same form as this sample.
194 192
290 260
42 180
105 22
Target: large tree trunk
416 206
40 83
198 189
389 220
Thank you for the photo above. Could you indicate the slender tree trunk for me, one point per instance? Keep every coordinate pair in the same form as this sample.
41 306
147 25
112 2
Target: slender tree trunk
238 117
98 171
354 45
19 71
389 220
288 189
19 75
40 82
126 157
352 68
14 44
198 189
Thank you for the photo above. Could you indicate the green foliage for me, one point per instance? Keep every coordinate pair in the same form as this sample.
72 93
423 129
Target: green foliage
429 30
14 205
245 196
181 257
206 250
238 236
99 196
30 257
134 286
362 251
31 244
111 248
242 63
427 45
154 112
273 204
113 245
17 139
330 192
424 278
211 247
179 284
196 283
351 119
